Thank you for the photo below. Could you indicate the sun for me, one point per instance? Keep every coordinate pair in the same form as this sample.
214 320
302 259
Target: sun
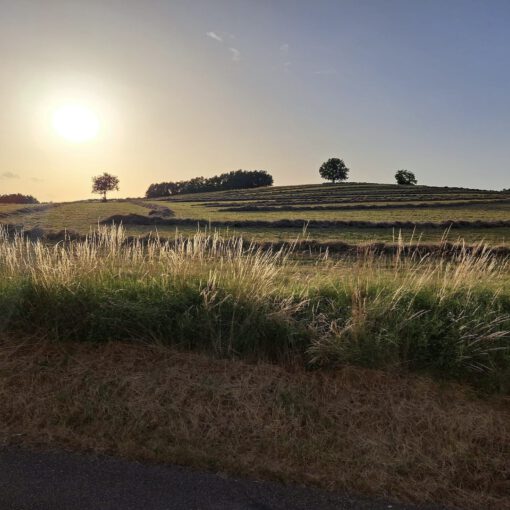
75 123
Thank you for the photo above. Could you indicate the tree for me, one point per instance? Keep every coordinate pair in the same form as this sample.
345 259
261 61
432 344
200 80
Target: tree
405 177
334 169
101 184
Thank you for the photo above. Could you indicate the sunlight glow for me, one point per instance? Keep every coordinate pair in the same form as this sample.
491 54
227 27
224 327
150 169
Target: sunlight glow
75 123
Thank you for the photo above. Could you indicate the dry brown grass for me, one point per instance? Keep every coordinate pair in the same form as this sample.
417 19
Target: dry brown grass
351 429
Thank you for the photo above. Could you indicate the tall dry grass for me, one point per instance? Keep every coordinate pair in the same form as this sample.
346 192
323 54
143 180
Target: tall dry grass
447 315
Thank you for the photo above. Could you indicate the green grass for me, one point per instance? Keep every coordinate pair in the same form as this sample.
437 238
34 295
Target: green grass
208 205
349 189
13 208
487 212
447 317
219 207
350 235
79 216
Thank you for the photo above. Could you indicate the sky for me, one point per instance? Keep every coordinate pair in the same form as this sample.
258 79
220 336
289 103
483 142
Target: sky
199 87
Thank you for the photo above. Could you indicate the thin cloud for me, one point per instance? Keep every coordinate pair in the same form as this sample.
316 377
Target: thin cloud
326 72
36 179
236 54
286 66
284 49
9 175
215 36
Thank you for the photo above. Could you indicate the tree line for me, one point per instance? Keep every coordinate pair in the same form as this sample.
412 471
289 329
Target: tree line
18 198
237 179
334 169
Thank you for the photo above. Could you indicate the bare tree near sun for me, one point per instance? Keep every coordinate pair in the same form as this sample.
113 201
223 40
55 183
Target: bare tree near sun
101 184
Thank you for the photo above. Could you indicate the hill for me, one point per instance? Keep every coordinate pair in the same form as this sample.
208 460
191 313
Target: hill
349 212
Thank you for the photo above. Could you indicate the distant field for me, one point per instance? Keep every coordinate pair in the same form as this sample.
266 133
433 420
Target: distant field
498 211
353 191
421 203
79 216
349 202
386 204
13 208
494 236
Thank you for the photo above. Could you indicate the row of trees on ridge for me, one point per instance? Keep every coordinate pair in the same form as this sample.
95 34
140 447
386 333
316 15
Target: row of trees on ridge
237 179
334 170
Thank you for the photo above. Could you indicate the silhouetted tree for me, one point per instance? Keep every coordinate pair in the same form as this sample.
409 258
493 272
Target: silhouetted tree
101 184
405 177
334 169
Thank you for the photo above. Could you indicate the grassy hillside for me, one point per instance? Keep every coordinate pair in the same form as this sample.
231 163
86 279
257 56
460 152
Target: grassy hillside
79 216
353 201
349 202
349 190
350 212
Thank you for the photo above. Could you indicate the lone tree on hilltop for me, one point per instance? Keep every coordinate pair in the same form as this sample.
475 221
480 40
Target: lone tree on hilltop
101 184
334 169
405 177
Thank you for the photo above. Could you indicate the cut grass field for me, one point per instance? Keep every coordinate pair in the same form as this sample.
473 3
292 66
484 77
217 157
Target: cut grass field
348 190
351 235
12 208
364 205
78 216
215 207
488 212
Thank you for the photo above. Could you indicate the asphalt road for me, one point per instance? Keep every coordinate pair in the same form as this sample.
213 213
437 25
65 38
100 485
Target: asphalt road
36 480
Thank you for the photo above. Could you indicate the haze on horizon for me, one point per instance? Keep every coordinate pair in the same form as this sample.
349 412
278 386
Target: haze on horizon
186 88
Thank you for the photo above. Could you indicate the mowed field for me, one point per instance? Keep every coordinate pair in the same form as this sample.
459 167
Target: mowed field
350 212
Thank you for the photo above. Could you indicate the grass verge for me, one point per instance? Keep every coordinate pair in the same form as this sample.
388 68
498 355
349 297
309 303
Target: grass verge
353 429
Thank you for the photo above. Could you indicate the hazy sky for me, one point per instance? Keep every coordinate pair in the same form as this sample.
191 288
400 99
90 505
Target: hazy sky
187 88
